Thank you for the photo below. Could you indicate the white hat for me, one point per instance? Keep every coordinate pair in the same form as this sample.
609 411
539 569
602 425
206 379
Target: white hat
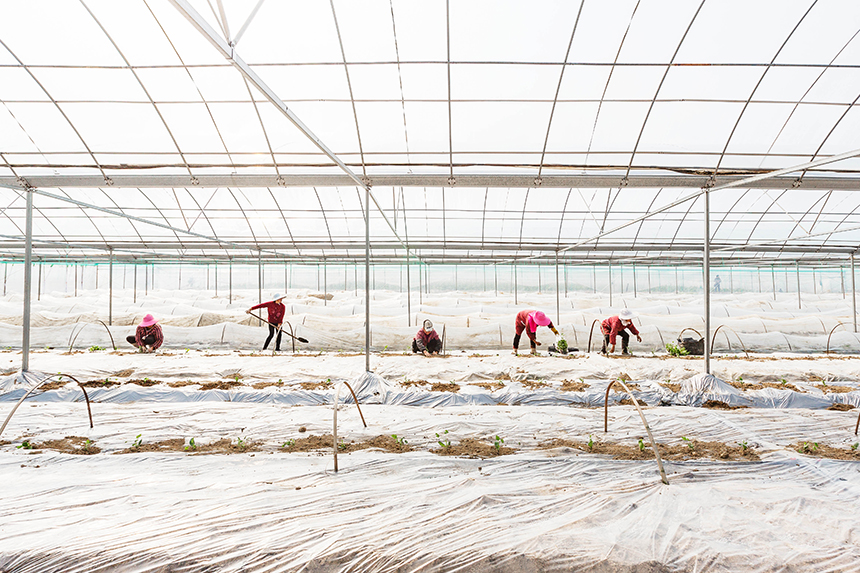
428 326
626 314
279 296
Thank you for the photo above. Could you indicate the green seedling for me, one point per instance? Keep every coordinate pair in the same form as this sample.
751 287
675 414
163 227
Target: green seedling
744 446
806 448
854 446
95 348
86 446
342 446
498 442
192 445
241 443
280 382
740 378
236 377
689 443
401 440
590 443
288 443
137 442
447 443
106 381
385 349
676 350
641 445
783 381
26 445
48 347
561 344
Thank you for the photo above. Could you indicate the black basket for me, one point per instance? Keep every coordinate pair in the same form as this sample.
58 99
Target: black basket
693 346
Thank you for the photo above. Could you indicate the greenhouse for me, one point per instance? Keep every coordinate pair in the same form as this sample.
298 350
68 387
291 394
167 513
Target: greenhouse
687 171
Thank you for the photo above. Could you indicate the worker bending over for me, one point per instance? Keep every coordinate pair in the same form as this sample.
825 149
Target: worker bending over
529 320
615 326
427 341
275 311
147 336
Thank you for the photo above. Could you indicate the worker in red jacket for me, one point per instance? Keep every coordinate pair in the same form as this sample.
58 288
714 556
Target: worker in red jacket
427 341
147 336
275 310
528 321
617 326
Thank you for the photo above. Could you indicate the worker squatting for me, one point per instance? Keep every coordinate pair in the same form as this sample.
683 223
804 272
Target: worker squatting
148 335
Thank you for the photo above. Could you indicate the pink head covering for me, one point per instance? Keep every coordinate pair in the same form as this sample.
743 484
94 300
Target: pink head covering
148 320
540 318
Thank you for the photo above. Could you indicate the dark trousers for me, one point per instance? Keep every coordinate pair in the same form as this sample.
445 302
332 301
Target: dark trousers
517 342
432 346
625 340
147 341
277 340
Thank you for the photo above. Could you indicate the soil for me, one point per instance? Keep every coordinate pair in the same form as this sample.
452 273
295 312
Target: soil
827 388
261 385
227 446
472 448
620 388
841 407
534 384
145 382
409 383
183 383
572 386
124 373
624 377
221 385
819 450
629 402
673 387
740 385
503 376
316 385
174 445
720 405
389 444
105 383
712 450
445 387
69 445
55 385
491 386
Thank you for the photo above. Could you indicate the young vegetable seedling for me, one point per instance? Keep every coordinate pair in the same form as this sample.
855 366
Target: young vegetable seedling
401 440
497 443
192 445
447 443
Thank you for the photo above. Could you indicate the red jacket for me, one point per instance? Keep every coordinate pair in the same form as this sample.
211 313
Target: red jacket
422 339
612 326
275 310
143 331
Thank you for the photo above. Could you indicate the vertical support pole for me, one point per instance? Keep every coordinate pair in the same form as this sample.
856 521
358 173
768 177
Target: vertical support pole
634 281
6 271
28 277
216 280
345 277
814 284
649 278
565 281
842 277
621 280
706 270
515 284
420 286
495 281
39 283
797 273
179 282
758 273
609 273
773 281
145 279
557 294
853 294
540 289
367 278
135 282
110 288
230 283
593 279
408 289
455 276
325 283
259 277
355 277
76 281
731 282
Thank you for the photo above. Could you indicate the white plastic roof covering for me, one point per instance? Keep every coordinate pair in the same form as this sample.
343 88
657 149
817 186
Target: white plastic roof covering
121 93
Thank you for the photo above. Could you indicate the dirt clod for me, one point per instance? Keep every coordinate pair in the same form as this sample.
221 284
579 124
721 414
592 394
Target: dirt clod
445 387
472 448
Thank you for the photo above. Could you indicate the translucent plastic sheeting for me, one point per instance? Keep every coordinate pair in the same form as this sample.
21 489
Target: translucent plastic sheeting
556 509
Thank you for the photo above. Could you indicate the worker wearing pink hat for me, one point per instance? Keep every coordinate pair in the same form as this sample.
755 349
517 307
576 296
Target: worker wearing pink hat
528 321
148 336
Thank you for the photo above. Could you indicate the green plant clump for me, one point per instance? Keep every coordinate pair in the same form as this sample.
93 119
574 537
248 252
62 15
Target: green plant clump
561 344
137 442
192 445
497 443
447 443
641 445
676 350
26 445
95 348
401 440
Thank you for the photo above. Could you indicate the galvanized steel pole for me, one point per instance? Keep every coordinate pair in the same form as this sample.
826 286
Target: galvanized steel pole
367 278
28 277
557 295
110 289
707 282
853 295
797 273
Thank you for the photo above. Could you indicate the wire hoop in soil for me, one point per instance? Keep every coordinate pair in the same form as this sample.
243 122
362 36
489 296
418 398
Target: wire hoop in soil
663 477
39 385
334 417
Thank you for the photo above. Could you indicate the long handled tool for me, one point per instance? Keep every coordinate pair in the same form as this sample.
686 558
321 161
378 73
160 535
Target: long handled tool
299 338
